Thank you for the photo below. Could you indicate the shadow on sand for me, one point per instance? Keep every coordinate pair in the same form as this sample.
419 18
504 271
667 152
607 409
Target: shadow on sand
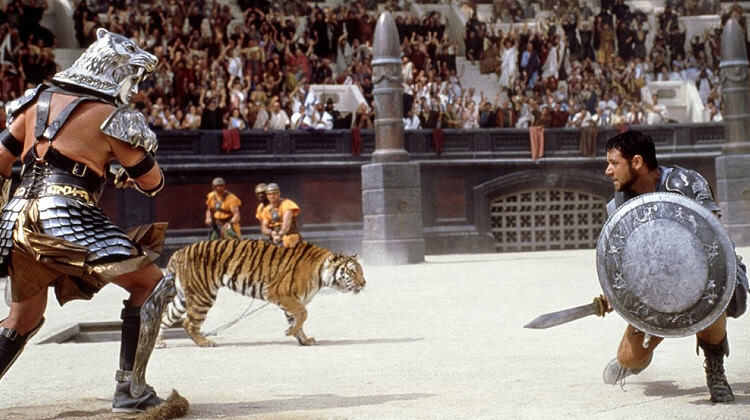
51 412
670 389
292 342
296 403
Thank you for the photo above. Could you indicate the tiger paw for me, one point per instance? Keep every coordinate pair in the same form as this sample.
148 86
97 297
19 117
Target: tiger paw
205 343
307 341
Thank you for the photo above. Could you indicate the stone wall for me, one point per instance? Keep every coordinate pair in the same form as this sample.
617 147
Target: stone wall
318 171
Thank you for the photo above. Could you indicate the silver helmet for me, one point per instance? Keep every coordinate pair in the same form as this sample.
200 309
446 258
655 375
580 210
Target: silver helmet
113 65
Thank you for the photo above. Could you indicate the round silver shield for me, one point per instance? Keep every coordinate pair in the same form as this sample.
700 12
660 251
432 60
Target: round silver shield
666 264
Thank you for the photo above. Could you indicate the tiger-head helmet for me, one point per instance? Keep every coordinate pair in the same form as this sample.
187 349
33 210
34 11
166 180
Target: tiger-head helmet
113 66
348 275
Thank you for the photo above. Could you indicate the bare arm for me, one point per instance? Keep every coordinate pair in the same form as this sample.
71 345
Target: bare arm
129 156
208 217
17 129
235 214
286 222
264 228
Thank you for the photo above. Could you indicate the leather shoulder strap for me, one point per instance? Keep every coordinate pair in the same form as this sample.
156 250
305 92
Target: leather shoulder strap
42 113
16 106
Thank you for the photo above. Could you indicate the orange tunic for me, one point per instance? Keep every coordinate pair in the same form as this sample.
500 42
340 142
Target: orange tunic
259 212
275 218
222 208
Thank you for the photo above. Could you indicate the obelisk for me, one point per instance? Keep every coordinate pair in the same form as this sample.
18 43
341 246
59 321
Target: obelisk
733 166
391 186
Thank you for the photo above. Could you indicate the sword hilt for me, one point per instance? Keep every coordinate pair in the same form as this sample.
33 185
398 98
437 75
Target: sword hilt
602 305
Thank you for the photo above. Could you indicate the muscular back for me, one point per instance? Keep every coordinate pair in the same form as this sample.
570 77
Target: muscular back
80 139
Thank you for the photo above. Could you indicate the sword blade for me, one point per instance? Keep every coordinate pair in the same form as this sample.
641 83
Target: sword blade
554 319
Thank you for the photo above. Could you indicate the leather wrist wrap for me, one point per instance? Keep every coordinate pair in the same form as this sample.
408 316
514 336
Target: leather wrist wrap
141 168
10 142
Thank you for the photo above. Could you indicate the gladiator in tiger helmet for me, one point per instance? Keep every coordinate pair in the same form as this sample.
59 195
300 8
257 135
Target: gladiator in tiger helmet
113 66
53 231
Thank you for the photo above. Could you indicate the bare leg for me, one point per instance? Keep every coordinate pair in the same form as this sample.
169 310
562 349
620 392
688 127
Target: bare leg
631 358
24 320
25 316
716 332
140 283
631 353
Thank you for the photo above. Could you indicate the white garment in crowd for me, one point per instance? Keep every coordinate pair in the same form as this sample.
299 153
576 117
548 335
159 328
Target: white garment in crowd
278 121
717 117
318 120
261 120
234 65
296 120
412 123
656 114
509 67
551 64
407 71
237 123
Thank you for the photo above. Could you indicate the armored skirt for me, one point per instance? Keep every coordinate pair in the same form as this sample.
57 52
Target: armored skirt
59 237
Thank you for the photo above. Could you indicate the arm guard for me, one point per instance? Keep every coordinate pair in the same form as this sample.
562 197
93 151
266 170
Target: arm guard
10 142
692 184
130 126
139 169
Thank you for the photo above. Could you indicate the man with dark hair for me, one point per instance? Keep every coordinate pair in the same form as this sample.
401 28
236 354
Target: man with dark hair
260 193
212 116
487 115
634 170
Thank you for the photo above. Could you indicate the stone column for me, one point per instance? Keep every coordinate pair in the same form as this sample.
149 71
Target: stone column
733 166
391 186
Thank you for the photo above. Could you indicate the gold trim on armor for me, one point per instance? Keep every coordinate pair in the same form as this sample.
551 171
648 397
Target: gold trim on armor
70 191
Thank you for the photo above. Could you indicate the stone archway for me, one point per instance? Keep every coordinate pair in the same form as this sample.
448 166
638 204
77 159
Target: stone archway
543 209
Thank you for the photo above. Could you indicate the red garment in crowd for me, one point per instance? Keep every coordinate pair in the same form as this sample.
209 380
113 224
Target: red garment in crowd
356 141
536 140
230 140
587 142
559 118
437 140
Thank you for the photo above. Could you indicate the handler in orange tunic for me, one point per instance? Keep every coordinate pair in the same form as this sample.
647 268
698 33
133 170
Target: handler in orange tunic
260 192
279 218
222 212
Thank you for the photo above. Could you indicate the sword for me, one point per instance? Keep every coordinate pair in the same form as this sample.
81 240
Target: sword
598 307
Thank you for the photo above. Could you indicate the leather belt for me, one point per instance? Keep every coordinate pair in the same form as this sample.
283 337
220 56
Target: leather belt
63 165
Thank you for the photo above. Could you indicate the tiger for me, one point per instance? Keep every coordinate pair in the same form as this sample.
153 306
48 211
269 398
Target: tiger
286 277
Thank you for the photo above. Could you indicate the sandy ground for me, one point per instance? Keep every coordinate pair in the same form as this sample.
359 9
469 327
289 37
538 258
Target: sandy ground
438 340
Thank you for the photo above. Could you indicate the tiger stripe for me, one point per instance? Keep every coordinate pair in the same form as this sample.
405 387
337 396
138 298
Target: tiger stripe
288 277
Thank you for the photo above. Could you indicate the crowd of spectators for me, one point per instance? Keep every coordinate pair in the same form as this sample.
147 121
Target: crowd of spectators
575 68
572 67
26 57
252 71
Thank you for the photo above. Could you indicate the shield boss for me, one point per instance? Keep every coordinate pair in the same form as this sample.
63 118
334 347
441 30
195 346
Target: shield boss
666 264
